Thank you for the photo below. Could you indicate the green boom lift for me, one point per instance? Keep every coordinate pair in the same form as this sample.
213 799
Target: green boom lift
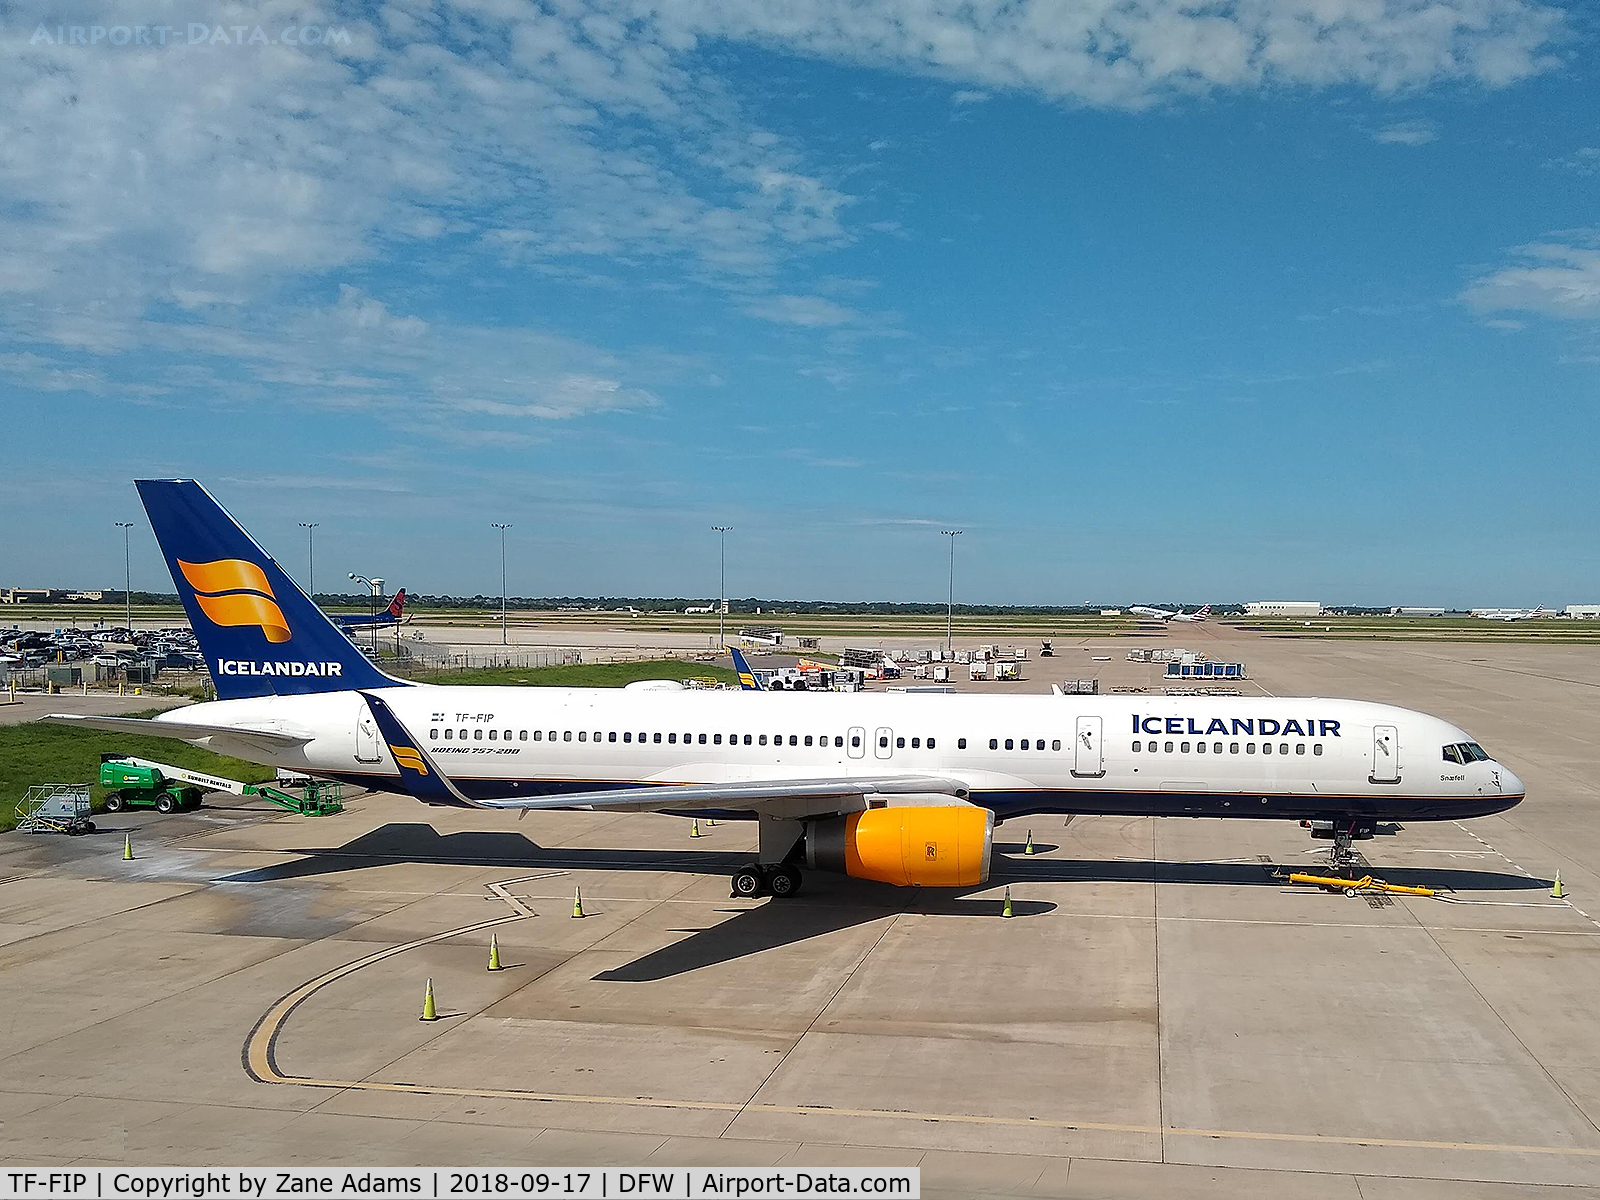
139 783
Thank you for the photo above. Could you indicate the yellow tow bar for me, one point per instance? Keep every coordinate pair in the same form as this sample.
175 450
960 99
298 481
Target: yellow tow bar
1365 884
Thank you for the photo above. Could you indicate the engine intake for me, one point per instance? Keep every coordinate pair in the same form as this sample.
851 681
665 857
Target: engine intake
945 846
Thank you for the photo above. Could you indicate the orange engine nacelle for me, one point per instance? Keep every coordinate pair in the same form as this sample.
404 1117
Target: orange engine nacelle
947 846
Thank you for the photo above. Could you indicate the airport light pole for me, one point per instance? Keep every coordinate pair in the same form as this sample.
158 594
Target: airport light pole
127 575
722 598
950 609
311 559
372 604
502 528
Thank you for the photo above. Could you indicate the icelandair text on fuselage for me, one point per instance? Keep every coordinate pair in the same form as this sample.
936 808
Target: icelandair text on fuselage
1238 727
573 1183
245 666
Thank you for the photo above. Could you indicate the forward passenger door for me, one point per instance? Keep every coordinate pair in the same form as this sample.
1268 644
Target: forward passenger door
1088 755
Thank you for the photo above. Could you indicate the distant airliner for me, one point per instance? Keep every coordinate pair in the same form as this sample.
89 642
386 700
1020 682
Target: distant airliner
1513 614
903 788
1167 614
393 615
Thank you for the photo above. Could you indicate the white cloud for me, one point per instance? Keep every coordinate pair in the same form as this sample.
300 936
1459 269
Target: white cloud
183 200
1551 279
1407 133
811 312
1583 161
1108 52
969 96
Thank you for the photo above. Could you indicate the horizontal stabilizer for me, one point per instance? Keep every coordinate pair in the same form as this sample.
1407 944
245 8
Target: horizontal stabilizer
186 731
745 794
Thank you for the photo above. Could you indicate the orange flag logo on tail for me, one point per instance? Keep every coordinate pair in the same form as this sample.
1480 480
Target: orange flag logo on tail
232 591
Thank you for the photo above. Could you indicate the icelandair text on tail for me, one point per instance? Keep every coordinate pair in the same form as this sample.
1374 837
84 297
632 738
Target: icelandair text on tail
576 1183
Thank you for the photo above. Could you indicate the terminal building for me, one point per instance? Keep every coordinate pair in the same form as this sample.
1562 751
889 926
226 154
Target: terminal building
1283 608
1583 612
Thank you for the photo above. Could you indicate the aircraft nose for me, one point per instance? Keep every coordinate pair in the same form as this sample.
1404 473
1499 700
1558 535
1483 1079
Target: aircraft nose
1510 785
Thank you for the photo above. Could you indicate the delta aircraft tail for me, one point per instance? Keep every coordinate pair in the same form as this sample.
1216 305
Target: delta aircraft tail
261 635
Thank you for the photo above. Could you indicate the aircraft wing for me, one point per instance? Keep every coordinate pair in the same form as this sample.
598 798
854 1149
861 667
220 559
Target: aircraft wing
182 730
752 794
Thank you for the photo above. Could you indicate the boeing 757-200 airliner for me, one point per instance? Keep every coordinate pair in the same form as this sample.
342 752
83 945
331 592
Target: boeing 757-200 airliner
902 788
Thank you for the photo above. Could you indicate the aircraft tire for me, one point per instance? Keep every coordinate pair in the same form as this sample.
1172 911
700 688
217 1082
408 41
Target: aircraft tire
784 882
748 882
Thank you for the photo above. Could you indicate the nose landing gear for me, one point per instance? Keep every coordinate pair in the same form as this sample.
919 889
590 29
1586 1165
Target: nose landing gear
781 882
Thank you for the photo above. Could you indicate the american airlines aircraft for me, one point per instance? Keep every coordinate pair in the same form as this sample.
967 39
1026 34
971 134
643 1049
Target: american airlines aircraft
901 788
1167 614
1513 614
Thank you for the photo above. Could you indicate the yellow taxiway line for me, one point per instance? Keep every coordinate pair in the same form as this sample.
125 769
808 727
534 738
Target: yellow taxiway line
260 1061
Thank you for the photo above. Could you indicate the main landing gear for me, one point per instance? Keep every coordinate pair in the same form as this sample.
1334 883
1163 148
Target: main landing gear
780 882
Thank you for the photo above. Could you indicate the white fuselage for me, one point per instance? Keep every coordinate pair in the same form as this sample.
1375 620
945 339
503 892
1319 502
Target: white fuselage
1158 755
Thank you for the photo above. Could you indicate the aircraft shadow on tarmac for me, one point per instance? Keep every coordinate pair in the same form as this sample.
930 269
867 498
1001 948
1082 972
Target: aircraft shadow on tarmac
829 904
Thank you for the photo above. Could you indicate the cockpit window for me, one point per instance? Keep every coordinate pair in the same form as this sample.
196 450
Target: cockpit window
1465 752
1478 752
1452 754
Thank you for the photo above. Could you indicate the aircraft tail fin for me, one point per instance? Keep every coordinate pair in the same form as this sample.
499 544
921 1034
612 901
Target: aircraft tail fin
1204 613
747 678
397 606
260 634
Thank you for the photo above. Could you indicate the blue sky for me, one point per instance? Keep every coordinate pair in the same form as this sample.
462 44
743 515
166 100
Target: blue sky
1221 301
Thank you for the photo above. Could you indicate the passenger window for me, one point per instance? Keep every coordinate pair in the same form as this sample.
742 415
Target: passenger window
1452 755
566 735
1152 747
855 741
900 743
883 743
1199 747
494 735
1055 743
930 743
434 733
808 739
1299 747
522 735
1317 749
1233 747
1283 747
611 737
462 736
538 735
916 743
795 741
672 739
703 739
1216 747
1249 747
1266 747
1009 742
961 743
1184 747
1137 746
477 735
763 739
1169 747
583 735
747 739
627 736
716 739
655 738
